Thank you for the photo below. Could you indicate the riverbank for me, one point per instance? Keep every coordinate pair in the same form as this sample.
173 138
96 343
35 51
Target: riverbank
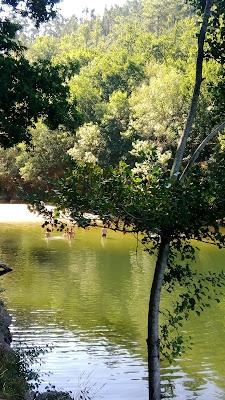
14 372
18 213
5 335
8 386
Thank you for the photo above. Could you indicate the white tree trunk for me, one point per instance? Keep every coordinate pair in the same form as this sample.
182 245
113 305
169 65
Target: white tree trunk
154 303
153 322
196 92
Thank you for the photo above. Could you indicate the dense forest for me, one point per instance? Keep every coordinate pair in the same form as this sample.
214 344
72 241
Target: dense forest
124 80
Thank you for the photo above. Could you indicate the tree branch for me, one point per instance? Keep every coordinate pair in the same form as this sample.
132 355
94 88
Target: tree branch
194 102
202 145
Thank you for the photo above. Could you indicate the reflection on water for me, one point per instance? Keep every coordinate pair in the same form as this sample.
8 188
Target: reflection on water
88 301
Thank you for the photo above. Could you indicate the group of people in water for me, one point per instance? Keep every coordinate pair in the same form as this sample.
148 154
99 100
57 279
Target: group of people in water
69 233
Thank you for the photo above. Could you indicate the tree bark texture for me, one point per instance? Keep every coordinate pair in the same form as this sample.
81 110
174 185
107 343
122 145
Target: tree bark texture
153 321
161 263
196 92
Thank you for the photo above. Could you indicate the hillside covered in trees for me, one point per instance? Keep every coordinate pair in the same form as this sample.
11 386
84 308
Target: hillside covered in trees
127 77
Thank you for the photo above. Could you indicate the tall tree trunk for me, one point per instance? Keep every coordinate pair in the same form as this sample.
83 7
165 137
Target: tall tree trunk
196 92
153 321
154 303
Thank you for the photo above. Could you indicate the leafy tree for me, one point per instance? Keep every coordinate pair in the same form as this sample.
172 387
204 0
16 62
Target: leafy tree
169 204
114 125
158 106
28 91
88 144
9 173
38 10
44 48
44 159
130 76
88 97
158 20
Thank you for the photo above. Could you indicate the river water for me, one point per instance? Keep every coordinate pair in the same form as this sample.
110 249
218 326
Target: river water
86 301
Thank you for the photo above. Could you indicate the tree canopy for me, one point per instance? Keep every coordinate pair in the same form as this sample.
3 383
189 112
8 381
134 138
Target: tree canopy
28 90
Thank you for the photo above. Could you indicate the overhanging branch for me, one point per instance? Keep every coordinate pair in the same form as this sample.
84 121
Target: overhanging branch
195 155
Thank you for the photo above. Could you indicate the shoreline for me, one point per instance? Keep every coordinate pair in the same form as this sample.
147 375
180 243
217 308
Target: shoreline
18 213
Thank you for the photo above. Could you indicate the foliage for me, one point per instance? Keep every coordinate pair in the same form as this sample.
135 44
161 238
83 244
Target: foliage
39 10
9 173
28 91
45 156
87 137
130 76
197 291
16 375
137 201
152 71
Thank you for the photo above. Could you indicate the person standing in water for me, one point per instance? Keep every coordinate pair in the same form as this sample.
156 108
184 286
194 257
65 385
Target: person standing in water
70 233
47 234
104 232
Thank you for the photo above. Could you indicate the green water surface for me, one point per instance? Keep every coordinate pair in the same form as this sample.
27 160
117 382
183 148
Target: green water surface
87 299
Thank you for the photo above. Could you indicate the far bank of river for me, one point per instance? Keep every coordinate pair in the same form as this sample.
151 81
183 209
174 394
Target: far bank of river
17 213
87 300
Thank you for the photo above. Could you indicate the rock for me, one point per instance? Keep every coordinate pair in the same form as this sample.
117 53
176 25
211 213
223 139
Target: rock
30 396
6 351
4 268
54 395
5 321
